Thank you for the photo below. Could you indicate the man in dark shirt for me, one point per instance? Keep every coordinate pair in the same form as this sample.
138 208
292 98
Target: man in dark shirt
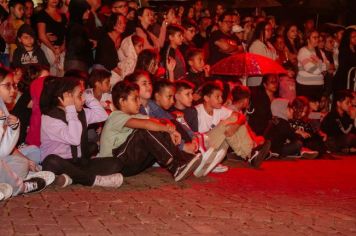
222 43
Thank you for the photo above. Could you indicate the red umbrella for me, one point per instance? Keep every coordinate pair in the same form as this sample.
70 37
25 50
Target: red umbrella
247 64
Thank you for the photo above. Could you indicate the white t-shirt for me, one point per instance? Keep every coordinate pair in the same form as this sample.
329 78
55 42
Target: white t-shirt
206 122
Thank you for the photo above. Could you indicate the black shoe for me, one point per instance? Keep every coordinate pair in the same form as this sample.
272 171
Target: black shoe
184 167
34 184
259 154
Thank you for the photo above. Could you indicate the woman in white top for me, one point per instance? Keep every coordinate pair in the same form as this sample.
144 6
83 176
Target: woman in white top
261 45
312 65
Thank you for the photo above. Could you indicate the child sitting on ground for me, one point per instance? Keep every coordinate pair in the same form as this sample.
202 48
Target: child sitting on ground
64 136
339 124
284 140
14 169
99 82
312 139
226 128
137 141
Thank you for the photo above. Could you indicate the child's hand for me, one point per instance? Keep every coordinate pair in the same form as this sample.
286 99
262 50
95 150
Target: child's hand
352 112
176 138
190 147
171 63
2 113
11 120
207 70
32 166
170 127
67 99
303 133
323 135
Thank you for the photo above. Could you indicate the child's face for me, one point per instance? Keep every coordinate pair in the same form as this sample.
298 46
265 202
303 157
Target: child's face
26 40
215 99
185 97
131 105
120 24
176 39
244 103
104 86
78 97
189 34
314 105
28 9
145 86
165 98
271 84
197 62
8 89
344 105
138 48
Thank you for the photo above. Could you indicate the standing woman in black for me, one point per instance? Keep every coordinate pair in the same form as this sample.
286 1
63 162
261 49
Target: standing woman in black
347 59
51 26
79 54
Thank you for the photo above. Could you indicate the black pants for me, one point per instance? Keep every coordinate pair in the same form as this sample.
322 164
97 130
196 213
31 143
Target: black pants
346 141
310 91
142 148
82 171
292 148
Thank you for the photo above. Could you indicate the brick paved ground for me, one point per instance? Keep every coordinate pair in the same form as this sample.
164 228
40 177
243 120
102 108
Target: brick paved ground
304 197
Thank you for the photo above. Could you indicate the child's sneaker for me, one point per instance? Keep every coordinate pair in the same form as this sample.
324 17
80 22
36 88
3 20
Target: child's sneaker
182 168
259 154
110 181
220 168
308 154
48 176
34 184
5 190
220 155
207 158
63 180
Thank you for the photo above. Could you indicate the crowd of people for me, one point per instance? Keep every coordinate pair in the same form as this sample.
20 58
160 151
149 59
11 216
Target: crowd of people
93 92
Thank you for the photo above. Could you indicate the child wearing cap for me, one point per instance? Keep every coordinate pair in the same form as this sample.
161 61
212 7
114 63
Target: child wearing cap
239 33
27 51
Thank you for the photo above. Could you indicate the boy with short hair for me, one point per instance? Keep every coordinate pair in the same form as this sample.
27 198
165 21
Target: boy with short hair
183 103
227 128
138 141
27 51
171 51
99 82
198 71
339 124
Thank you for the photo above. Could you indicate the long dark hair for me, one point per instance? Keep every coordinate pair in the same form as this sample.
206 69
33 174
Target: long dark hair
345 40
259 31
76 9
290 47
54 88
140 12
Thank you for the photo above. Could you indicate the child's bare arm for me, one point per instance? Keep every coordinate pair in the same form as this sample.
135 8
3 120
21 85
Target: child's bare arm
150 124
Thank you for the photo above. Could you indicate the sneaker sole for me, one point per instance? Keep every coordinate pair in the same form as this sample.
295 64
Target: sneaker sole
218 158
7 190
48 176
262 155
188 170
309 155
209 157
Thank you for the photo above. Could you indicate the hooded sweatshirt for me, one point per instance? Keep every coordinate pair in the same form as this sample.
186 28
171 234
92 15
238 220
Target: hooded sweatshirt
278 131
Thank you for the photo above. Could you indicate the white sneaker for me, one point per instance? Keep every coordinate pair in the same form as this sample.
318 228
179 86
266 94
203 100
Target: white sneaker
309 154
111 181
63 180
207 158
220 168
5 190
220 155
48 176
